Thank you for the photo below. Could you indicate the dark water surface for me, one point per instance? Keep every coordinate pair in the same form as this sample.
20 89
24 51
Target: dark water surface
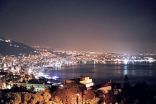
104 72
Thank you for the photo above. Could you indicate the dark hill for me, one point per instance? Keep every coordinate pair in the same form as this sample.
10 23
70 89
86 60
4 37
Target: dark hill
10 47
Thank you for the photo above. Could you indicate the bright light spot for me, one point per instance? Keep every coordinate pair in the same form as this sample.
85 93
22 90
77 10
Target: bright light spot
8 41
55 77
48 82
125 70
61 85
125 61
150 60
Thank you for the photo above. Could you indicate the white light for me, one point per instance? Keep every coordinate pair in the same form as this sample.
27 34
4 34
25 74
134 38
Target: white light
150 60
125 61
8 41
55 77
49 82
61 85
125 72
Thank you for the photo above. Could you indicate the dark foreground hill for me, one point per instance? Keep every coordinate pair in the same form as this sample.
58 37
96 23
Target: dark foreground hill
10 47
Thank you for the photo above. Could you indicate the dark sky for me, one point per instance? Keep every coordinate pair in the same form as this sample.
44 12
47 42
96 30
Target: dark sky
126 26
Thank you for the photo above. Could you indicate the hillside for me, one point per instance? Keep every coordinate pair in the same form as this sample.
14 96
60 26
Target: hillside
10 47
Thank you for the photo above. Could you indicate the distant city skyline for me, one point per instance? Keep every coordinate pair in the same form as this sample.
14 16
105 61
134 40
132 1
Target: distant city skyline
122 26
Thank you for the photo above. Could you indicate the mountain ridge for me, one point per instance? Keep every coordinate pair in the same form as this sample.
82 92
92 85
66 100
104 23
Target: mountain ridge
11 47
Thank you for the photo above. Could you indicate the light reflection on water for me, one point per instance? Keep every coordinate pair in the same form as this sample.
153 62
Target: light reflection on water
105 72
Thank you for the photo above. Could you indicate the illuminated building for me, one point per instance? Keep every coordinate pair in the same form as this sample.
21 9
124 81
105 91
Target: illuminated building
36 86
87 82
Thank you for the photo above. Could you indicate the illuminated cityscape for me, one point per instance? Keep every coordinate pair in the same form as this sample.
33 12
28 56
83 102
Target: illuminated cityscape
77 52
28 70
57 59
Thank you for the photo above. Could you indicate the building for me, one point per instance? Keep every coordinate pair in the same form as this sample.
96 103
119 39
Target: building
87 82
35 85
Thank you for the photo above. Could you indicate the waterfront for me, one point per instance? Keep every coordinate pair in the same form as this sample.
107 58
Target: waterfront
105 72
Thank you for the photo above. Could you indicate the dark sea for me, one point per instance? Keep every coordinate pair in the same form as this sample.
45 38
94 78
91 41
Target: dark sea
140 72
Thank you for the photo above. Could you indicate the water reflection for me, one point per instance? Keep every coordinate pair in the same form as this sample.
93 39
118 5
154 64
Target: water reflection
125 70
107 71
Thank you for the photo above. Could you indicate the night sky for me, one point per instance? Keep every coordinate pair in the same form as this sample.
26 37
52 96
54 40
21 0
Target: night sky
126 26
